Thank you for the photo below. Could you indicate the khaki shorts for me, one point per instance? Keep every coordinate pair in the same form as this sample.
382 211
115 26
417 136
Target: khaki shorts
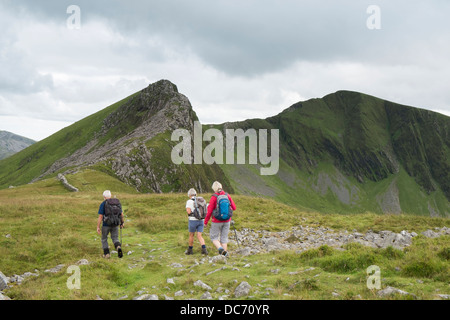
219 231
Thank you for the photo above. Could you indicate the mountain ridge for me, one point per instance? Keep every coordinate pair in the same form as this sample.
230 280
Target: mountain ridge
363 138
345 152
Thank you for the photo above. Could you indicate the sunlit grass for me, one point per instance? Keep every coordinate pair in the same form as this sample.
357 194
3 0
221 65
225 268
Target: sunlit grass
48 226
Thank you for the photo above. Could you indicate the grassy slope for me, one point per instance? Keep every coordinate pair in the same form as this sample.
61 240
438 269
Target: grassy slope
49 226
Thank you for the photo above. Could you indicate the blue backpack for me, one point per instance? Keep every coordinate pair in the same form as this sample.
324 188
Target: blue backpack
223 210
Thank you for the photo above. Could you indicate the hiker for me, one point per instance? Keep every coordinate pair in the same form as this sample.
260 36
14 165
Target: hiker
220 209
196 210
111 214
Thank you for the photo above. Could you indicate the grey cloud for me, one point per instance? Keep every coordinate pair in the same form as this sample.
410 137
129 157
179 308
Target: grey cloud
18 74
254 37
18 77
241 56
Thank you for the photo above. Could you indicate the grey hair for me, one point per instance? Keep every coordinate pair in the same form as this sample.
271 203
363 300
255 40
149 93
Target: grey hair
192 192
107 194
216 186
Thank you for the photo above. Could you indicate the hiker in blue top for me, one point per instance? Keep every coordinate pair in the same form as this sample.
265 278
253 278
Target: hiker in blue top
111 214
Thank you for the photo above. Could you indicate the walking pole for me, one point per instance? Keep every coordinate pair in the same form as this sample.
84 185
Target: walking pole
235 233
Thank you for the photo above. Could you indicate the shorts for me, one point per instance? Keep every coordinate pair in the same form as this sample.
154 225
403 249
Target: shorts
196 225
219 230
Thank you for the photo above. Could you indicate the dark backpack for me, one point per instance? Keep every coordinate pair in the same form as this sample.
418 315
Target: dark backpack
223 210
113 212
200 208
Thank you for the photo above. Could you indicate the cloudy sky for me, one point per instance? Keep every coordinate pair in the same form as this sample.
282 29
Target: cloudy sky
233 59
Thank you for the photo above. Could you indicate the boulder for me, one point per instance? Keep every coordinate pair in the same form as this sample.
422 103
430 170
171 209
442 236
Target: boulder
430 234
147 297
243 289
202 285
388 291
3 281
3 297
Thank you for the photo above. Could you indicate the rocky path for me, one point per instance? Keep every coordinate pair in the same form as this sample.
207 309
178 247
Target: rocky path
251 242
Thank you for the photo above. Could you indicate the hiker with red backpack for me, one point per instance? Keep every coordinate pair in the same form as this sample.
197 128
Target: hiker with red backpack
111 214
220 209
196 210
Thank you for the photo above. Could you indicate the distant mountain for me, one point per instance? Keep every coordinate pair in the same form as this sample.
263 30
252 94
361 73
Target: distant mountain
11 143
346 152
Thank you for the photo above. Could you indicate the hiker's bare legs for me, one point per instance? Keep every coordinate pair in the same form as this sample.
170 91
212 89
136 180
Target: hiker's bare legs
217 244
200 238
191 239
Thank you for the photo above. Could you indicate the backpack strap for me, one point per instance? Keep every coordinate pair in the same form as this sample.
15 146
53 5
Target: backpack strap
195 206
217 198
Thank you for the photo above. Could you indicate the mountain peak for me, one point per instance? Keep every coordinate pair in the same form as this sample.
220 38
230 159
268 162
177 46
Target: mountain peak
162 86
130 137
159 97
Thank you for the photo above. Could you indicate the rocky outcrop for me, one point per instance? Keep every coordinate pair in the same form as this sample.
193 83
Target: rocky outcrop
134 145
305 238
389 291
66 184
15 279
156 109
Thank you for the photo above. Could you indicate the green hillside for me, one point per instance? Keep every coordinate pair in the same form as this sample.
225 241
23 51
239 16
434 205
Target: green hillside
129 140
29 164
349 152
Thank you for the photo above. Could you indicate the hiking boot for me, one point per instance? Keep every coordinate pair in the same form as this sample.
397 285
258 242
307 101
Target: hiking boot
120 252
189 251
204 251
221 250
225 253
107 256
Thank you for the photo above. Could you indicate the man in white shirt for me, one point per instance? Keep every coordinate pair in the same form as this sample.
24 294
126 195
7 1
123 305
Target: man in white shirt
195 225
